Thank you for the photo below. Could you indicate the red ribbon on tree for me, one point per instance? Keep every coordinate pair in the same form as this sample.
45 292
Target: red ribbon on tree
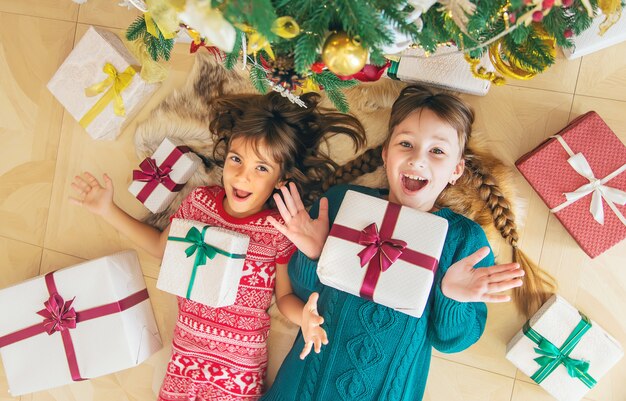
153 174
59 317
381 251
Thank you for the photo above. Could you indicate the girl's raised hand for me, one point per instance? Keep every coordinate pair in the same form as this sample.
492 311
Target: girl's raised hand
463 283
90 194
312 332
307 234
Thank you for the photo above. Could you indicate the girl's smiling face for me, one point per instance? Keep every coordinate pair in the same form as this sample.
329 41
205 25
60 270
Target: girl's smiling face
250 176
423 155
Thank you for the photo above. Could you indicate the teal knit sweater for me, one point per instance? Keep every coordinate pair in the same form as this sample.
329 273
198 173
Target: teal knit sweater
374 352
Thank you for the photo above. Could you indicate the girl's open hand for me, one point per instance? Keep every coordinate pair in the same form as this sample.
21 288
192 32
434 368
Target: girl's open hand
463 283
307 234
91 195
314 335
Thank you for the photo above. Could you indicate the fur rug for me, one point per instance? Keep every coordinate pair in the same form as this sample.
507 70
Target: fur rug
185 115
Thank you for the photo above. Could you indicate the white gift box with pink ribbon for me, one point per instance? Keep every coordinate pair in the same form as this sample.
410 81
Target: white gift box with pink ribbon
384 252
161 176
76 323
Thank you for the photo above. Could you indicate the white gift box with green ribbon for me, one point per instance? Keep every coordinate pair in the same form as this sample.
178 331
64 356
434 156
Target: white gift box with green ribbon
563 351
203 263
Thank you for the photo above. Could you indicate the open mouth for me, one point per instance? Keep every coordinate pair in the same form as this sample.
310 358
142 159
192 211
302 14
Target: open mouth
413 183
240 195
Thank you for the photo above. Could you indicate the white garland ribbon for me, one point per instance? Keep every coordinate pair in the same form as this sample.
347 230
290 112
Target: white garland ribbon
595 186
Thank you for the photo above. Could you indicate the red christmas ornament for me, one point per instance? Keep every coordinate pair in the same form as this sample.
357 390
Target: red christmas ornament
512 18
567 3
547 4
537 16
318 67
369 73
568 33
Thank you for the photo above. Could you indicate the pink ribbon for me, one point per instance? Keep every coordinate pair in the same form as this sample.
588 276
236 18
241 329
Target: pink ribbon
153 174
58 314
386 250
59 317
380 244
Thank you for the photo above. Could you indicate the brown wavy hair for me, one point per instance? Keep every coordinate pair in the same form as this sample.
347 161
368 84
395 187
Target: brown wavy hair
538 285
292 134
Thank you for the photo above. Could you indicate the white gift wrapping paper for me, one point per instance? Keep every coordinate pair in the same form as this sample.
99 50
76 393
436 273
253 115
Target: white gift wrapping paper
83 68
404 286
555 321
102 345
590 41
160 198
450 72
217 282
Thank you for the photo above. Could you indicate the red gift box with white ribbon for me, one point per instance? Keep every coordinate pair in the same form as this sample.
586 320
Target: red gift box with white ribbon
580 174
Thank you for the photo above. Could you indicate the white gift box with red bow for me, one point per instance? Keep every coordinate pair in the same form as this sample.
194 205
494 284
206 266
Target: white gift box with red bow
76 323
384 252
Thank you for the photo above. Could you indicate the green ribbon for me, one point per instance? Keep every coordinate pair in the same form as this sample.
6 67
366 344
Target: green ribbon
202 251
552 356
392 71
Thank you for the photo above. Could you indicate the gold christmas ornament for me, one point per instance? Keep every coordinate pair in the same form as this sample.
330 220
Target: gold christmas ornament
343 55
286 27
506 64
481 72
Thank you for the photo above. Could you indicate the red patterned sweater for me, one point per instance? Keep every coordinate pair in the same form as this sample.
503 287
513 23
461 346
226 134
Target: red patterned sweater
220 354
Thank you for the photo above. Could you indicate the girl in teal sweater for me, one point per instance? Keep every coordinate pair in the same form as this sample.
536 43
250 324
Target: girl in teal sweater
375 352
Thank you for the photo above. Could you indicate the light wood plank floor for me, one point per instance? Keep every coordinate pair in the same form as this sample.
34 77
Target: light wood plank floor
42 148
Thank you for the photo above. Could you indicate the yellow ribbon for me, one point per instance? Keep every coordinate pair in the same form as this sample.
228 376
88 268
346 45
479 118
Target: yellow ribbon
286 27
163 15
309 86
612 9
151 71
114 84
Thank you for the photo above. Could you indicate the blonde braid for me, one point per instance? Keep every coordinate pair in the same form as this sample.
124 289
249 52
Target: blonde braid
538 284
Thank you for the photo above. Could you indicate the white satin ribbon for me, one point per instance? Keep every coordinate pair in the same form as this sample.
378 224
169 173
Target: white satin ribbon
595 186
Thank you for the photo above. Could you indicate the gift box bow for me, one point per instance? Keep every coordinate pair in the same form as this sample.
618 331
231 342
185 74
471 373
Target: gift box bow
114 84
386 250
553 356
202 250
154 174
381 250
597 187
59 316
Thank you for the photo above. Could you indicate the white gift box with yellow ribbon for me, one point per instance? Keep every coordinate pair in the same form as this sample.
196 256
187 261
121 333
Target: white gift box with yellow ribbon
99 84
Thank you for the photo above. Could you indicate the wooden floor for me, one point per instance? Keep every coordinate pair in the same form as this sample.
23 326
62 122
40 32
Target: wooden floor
42 148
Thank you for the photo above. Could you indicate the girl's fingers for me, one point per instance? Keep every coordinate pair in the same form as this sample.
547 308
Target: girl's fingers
306 350
323 211
493 288
477 256
493 270
291 205
506 275
281 228
79 188
495 298
93 181
318 344
296 196
80 182
280 205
